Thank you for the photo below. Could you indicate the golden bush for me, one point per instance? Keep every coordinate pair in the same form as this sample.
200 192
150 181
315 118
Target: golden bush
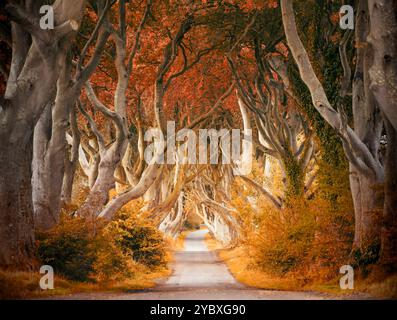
79 251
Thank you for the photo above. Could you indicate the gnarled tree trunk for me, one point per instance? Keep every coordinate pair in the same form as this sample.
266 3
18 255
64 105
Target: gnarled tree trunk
29 89
383 76
16 208
359 145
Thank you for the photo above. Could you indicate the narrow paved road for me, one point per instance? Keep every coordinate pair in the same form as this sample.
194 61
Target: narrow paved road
198 274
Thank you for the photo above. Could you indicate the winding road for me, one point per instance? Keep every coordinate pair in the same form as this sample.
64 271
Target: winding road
198 274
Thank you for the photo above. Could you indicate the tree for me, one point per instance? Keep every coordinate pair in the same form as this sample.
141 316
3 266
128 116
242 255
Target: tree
35 70
383 40
50 144
361 145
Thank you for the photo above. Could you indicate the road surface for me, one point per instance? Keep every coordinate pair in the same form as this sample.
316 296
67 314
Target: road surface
198 274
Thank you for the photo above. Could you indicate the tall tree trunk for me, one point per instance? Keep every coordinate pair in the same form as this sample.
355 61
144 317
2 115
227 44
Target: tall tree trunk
367 192
18 118
389 228
368 200
52 150
383 77
71 161
43 206
16 209
68 180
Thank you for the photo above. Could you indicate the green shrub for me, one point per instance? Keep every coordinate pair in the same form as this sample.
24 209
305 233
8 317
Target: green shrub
284 245
308 238
139 239
110 262
112 254
68 249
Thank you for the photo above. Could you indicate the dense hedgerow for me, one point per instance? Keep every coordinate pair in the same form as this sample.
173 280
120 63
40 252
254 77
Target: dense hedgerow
306 239
113 252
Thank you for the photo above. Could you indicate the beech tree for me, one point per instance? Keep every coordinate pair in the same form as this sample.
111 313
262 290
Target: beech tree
361 144
382 73
37 61
50 143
